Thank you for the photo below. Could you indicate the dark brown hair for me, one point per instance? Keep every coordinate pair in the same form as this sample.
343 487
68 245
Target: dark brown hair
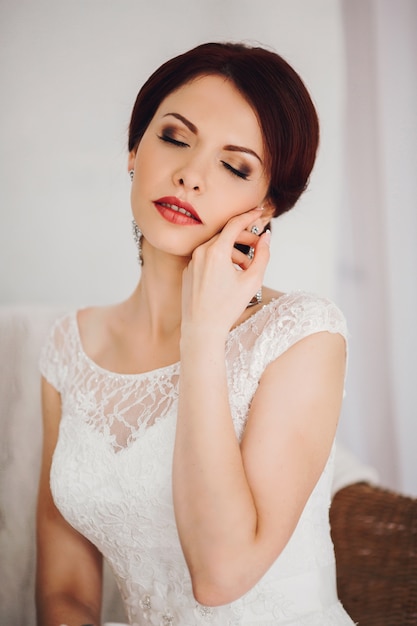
277 94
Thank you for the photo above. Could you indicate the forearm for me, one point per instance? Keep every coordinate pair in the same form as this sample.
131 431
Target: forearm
61 608
215 511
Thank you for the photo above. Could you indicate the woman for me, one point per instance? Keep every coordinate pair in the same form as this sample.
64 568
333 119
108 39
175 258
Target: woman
189 429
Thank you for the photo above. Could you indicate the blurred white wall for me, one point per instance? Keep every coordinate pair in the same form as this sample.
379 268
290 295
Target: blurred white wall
69 74
377 278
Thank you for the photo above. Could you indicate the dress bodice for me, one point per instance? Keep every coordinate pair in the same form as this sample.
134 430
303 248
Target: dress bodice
111 476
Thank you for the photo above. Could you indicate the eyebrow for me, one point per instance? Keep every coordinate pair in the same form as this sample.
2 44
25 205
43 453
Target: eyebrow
242 149
231 148
184 120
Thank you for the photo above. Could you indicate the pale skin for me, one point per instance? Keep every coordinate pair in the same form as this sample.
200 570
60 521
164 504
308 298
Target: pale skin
236 504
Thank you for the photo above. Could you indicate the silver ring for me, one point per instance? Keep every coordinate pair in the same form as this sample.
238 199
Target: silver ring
251 253
254 230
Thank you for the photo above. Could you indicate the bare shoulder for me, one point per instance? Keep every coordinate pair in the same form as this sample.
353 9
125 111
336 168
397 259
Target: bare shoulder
97 325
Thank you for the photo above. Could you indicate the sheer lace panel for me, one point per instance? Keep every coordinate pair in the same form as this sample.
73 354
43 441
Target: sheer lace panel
120 406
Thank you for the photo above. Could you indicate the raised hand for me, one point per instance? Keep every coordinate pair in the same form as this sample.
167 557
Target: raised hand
220 280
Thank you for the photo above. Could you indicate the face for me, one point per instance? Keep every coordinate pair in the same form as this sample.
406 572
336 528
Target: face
199 163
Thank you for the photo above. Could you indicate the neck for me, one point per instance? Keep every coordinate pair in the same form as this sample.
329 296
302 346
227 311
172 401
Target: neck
156 301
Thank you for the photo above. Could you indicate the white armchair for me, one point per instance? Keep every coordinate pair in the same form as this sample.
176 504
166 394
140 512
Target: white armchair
22 332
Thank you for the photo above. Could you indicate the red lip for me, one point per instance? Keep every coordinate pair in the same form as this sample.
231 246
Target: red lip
164 206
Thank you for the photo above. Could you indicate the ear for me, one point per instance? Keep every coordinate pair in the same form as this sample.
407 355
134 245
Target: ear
131 160
267 213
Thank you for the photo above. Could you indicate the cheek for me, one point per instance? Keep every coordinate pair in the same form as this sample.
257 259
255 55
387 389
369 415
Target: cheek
145 173
153 167
145 155
235 199
141 162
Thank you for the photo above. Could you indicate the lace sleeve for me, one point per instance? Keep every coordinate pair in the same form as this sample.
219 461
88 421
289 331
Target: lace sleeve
297 316
52 361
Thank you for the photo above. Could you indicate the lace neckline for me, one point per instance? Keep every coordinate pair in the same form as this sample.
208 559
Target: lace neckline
167 369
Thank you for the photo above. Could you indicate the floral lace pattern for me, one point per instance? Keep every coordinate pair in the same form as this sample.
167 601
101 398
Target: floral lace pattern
111 476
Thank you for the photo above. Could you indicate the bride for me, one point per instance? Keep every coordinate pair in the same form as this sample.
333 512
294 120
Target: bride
188 431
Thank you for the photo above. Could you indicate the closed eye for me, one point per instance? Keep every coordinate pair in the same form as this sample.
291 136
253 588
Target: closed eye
169 139
234 171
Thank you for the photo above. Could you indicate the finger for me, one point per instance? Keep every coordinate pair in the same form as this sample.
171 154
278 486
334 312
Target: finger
240 258
238 224
246 238
261 255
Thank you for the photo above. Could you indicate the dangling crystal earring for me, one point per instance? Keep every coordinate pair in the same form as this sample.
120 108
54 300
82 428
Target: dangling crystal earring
257 298
131 174
137 236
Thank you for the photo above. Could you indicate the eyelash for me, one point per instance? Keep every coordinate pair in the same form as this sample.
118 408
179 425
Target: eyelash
169 139
234 171
182 144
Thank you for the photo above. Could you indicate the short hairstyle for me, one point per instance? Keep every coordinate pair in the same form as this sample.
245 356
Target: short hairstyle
285 111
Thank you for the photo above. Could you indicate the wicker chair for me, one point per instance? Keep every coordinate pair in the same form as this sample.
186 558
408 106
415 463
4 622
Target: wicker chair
375 537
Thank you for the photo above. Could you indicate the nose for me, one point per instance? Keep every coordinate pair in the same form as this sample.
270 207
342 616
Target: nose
191 174
182 183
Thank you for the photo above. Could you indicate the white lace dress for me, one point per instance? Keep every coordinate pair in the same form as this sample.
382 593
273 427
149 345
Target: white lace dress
111 476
